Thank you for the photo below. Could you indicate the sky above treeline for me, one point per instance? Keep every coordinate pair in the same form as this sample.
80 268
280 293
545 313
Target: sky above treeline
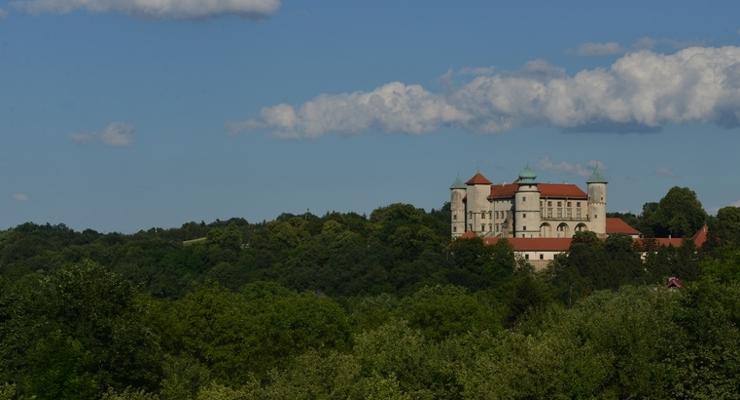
121 115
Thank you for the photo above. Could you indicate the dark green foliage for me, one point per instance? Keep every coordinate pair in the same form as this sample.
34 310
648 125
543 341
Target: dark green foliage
386 307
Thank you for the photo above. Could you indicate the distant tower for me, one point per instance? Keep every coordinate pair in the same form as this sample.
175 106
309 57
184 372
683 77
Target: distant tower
457 207
527 217
478 206
597 202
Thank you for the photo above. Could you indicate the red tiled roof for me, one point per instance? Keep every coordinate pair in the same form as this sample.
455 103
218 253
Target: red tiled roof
534 244
505 191
556 190
617 225
568 190
700 237
478 179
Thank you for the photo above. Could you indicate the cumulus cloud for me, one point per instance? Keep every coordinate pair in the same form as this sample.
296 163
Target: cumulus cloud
639 92
569 168
599 49
155 8
116 134
20 197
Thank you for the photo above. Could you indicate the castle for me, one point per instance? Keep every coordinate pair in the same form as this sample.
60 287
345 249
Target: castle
527 208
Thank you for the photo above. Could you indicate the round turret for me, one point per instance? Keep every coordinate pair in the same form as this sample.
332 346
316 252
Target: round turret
478 206
527 217
597 202
457 208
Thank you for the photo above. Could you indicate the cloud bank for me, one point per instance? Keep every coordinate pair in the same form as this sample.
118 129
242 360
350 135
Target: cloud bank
181 9
599 49
569 168
116 134
639 92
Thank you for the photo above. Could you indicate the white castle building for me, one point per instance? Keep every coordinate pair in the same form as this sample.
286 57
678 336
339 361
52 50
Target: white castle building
527 208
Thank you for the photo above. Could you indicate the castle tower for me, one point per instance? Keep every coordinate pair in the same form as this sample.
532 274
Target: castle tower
597 202
457 208
527 218
478 206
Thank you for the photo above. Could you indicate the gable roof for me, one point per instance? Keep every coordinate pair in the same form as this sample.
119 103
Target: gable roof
618 226
547 190
478 179
568 190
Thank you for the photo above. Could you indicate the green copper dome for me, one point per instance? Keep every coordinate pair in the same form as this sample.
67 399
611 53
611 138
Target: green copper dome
458 184
596 176
527 175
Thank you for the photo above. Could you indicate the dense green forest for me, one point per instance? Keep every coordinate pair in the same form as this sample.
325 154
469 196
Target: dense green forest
384 306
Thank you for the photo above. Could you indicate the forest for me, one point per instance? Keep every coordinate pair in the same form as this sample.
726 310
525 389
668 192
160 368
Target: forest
379 306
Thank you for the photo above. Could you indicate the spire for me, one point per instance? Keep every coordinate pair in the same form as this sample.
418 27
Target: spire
596 176
457 184
527 175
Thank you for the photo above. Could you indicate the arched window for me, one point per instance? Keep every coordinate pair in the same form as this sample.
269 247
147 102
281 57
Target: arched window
563 230
545 230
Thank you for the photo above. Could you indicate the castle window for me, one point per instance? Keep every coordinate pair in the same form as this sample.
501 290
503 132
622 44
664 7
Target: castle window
483 227
542 256
524 199
602 198
524 228
578 204
454 229
569 204
524 216
470 227
578 213
526 256
483 216
560 213
549 203
560 203
454 216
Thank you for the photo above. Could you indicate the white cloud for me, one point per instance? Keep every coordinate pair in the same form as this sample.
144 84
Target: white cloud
568 168
736 204
599 49
116 134
155 8
639 92
20 197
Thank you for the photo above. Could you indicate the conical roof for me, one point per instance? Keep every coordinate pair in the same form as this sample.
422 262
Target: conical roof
478 179
458 184
596 176
527 175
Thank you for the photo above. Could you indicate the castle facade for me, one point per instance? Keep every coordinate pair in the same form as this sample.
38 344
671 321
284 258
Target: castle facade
527 208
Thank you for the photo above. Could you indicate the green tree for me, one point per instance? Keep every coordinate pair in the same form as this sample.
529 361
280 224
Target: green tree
679 213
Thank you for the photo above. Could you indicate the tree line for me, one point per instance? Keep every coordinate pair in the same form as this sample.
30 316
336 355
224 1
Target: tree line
385 306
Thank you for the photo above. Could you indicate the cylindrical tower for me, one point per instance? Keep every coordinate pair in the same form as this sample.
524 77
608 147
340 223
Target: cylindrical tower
527 217
457 208
597 203
477 205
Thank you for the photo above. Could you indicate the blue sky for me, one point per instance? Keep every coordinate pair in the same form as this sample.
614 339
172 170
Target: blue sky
118 117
